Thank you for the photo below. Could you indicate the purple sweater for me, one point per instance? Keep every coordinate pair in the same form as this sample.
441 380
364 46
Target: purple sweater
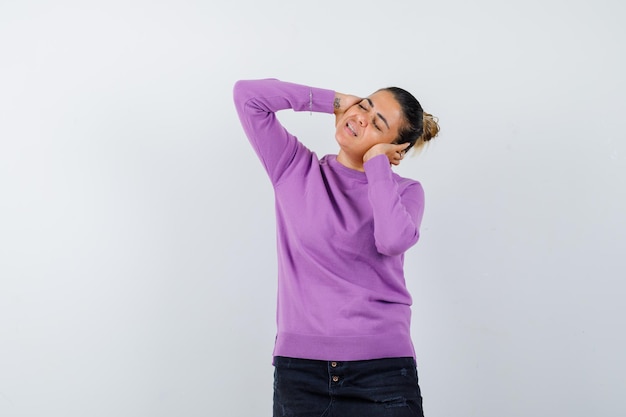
341 236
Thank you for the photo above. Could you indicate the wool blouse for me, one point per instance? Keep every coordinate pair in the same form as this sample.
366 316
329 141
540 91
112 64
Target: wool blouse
341 235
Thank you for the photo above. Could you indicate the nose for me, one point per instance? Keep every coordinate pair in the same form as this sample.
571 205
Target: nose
362 119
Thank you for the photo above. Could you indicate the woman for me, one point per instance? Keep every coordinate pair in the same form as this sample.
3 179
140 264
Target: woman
343 345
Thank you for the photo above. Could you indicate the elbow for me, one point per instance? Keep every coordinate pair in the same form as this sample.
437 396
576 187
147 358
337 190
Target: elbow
394 246
240 91
243 90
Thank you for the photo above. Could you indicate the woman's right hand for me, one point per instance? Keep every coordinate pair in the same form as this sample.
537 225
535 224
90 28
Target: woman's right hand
342 103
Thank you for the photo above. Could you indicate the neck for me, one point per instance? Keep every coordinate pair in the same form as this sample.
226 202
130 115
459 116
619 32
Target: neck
350 162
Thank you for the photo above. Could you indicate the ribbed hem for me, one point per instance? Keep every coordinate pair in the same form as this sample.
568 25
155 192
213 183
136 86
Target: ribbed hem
351 348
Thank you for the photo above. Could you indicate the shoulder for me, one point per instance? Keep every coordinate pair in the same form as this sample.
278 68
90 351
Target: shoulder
301 165
409 186
405 181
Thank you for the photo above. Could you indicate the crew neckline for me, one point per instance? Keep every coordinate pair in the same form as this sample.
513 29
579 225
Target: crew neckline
344 170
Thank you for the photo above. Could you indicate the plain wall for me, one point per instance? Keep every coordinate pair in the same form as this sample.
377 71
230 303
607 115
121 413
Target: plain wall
137 242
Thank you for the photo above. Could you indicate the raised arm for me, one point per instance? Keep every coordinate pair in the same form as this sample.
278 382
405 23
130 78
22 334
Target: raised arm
257 101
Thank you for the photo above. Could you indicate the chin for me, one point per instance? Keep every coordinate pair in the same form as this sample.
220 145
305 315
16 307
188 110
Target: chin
340 139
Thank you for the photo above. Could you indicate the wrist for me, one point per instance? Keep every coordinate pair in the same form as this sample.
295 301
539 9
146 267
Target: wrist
371 154
337 103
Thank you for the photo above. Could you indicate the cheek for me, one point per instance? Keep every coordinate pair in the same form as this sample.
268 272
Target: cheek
374 139
385 137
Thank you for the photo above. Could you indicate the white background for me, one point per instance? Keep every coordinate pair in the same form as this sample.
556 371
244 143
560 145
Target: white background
137 249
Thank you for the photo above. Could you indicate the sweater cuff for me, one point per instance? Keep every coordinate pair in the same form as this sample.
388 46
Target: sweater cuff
322 100
378 169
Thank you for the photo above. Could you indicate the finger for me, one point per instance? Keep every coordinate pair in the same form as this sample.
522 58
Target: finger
405 146
400 148
396 158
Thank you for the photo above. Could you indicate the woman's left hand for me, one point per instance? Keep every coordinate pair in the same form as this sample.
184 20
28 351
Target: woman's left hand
394 152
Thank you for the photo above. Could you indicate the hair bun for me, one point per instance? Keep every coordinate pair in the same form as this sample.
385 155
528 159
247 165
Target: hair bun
431 127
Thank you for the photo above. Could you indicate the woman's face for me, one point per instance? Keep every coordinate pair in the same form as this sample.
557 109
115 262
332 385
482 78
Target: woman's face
376 119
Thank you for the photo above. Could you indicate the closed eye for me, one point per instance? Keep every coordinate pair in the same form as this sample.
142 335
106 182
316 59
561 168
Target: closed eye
373 121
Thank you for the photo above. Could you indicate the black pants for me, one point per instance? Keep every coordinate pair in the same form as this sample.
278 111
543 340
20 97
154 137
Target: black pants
371 388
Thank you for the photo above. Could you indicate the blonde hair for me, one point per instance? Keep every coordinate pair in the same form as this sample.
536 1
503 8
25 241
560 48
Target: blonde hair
430 130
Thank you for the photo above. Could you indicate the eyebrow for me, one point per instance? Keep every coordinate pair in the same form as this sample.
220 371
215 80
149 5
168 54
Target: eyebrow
379 115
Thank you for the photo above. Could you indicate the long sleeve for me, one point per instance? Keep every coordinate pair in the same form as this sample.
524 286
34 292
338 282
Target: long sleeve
397 216
257 101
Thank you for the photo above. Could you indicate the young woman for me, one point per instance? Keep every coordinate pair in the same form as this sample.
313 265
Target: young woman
343 345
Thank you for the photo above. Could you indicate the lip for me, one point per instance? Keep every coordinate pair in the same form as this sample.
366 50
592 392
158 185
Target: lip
350 128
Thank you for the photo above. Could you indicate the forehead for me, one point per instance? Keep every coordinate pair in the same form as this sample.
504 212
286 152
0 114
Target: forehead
386 104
